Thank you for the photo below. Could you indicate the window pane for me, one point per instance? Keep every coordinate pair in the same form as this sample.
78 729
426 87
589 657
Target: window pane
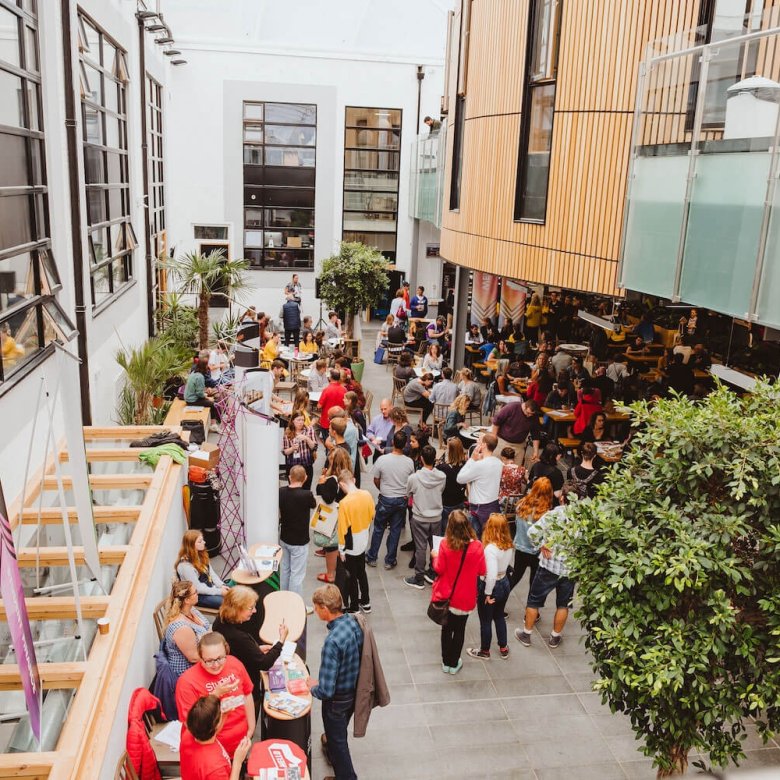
255 257
253 111
93 166
284 135
373 139
254 174
98 248
288 258
112 132
370 201
289 218
93 77
253 238
280 155
50 276
17 281
253 196
101 285
20 340
9 37
372 161
253 218
279 176
253 134
211 232
290 113
112 95
367 180
34 103
382 242
253 155
13 165
96 206
544 60
11 112
114 162
14 221
93 41
289 197
118 272
93 125
33 63
374 117
384 223
536 165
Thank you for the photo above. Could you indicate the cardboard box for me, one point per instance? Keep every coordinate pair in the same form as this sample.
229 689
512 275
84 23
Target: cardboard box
207 456
294 242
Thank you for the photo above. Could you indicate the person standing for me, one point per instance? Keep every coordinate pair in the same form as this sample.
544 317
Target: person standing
458 563
299 446
356 511
332 395
419 304
391 473
380 429
291 319
552 575
333 331
482 473
425 488
529 509
513 424
293 287
454 494
339 669
399 308
295 505
494 587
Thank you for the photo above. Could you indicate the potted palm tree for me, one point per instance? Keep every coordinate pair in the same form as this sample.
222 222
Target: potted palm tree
205 276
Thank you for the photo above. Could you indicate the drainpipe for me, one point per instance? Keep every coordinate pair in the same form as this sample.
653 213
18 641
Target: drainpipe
413 195
145 179
71 113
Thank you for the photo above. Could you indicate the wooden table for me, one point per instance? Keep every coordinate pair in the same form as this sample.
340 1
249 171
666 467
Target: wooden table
643 358
164 755
566 417
179 411
263 583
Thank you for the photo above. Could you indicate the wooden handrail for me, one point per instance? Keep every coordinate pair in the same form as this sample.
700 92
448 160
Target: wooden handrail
62 607
103 481
52 515
58 556
33 766
101 455
55 676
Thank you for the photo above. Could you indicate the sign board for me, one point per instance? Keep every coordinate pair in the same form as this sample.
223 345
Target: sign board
431 250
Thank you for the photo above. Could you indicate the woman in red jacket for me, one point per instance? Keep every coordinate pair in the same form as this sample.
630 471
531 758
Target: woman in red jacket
586 407
459 546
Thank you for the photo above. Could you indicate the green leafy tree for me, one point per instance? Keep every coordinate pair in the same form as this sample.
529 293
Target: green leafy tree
178 322
354 279
205 275
677 562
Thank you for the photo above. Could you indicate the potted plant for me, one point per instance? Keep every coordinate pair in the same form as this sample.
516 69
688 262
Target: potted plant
205 276
177 322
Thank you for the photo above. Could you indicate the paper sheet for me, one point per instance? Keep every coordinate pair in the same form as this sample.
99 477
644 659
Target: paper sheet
436 542
170 735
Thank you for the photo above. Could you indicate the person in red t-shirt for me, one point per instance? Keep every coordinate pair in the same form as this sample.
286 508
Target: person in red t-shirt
332 395
203 757
224 676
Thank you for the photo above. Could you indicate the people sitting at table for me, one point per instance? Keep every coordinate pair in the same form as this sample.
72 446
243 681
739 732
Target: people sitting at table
637 347
456 419
473 336
500 352
307 345
504 380
202 755
318 377
436 332
224 675
184 625
433 359
700 358
585 475
446 391
467 386
577 370
219 362
233 623
278 372
486 349
540 388
616 369
196 393
271 349
560 361
547 466
547 343
644 328
333 331
542 365
405 368
596 430
396 338
603 383
381 336
417 394
193 565
588 404
559 397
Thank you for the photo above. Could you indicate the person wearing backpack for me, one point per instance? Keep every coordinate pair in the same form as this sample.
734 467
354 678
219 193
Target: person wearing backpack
585 477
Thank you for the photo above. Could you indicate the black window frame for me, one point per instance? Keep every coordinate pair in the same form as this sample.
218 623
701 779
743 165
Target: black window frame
532 84
276 187
36 308
353 164
116 268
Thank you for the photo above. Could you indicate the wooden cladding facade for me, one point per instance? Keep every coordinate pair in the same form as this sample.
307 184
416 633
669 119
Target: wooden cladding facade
602 43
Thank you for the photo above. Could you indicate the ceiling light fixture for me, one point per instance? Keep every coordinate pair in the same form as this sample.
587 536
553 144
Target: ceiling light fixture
171 52
167 39
178 62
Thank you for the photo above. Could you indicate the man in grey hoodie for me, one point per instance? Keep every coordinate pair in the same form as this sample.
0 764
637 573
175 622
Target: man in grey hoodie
425 487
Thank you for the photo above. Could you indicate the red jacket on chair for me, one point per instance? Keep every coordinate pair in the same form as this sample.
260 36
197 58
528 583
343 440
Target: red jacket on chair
139 747
587 406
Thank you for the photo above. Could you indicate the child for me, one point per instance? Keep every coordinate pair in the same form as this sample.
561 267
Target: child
295 505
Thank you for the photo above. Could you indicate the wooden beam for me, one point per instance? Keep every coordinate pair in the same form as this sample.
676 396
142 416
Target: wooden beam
58 556
62 608
125 432
103 482
31 766
118 454
58 676
52 515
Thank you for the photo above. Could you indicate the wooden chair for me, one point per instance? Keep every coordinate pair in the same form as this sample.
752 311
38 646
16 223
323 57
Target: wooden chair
439 417
393 353
473 416
160 611
124 769
398 390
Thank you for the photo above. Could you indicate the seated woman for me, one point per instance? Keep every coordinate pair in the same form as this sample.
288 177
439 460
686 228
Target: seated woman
193 565
184 626
455 420
504 381
236 610
469 387
436 331
588 404
271 349
196 394
307 345
500 352
597 429
202 754
540 388
404 370
381 336
433 359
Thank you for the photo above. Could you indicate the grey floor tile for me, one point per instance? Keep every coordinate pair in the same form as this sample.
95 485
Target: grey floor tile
755 759
523 662
612 725
582 682
482 733
531 686
539 730
506 758
397 715
431 672
377 740
626 748
594 772
447 713
535 707
640 770
397 674
567 752
405 694
453 689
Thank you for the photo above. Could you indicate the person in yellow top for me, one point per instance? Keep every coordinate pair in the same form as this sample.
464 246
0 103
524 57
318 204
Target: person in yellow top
308 345
271 349
11 350
533 318
356 513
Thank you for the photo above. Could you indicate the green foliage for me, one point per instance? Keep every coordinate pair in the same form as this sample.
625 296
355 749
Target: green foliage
205 275
147 368
225 330
354 279
678 568
178 322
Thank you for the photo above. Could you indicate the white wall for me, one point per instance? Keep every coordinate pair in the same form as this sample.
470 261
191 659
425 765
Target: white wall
334 55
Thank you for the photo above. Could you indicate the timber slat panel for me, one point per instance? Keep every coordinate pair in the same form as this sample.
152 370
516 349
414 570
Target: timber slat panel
103 481
31 766
101 455
58 556
62 607
102 514
55 676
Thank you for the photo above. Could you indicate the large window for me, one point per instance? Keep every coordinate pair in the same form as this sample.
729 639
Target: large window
372 152
155 178
104 76
533 169
280 152
29 315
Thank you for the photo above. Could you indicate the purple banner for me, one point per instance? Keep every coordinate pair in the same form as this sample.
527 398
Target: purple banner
19 625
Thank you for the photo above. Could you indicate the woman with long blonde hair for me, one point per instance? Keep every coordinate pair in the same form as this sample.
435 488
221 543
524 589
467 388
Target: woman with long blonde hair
192 564
529 509
184 626
456 418
329 491
493 588
458 563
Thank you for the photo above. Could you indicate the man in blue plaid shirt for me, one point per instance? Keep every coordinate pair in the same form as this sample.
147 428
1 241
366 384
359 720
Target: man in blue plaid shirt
552 575
339 668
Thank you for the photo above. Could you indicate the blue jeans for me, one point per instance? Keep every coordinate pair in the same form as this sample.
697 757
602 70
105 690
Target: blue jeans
492 613
479 513
336 713
544 583
209 601
445 516
389 512
293 568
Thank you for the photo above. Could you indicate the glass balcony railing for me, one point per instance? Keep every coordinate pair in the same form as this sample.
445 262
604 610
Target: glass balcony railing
703 217
427 174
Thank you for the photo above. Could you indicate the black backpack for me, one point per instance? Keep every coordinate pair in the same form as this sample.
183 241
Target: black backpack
580 485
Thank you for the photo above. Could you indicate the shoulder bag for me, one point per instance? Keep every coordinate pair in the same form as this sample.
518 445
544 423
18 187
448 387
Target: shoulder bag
324 523
438 611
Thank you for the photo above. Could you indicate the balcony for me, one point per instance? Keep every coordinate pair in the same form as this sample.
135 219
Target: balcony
703 217
427 174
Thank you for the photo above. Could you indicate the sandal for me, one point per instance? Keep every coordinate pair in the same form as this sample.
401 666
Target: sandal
324 578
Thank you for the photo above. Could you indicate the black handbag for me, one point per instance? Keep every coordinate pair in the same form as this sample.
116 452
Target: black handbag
196 429
438 611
